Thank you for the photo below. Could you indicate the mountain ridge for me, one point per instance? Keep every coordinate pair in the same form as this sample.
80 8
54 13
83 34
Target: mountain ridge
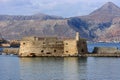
99 21
38 16
94 27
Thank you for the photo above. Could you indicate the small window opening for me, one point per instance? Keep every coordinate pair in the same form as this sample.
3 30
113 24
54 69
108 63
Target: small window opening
42 51
54 50
66 51
23 43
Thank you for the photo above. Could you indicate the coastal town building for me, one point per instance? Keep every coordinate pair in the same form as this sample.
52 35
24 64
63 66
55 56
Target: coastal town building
52 46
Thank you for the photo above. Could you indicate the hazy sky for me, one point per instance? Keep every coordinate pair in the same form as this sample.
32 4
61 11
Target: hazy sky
65 8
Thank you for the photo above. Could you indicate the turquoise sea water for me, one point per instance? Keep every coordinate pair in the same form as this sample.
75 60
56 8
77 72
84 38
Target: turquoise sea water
68 68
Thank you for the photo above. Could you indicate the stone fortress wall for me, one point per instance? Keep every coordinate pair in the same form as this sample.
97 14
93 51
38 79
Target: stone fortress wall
52 46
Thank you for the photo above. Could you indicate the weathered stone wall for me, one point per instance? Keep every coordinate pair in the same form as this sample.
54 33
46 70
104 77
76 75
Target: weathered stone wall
104 50
70 47
11 50
42 47
31 38
75 46
35 46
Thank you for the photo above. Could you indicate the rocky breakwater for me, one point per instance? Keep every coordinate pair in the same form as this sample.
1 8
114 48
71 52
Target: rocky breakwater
105 52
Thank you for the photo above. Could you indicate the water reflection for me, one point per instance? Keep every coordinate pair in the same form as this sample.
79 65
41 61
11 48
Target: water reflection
9 68
103 68
74 68
71 68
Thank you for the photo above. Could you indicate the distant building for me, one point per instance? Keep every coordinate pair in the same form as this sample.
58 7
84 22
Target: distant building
14 43
4 43
52 46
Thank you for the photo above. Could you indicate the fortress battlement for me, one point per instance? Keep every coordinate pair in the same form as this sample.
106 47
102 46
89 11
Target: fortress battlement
52 46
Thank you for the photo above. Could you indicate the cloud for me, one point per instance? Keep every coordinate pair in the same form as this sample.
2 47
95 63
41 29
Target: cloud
43 4
4 1
64 8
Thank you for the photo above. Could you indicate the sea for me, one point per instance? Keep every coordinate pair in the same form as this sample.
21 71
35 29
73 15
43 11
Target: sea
61 68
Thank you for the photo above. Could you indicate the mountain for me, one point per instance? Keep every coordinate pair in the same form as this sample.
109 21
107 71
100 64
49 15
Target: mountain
106 13
38 16
37 25
108 9
111 34
100 25
109 17
95 25
19 29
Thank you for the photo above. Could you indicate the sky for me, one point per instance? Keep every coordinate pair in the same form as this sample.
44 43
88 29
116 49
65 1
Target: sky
64 8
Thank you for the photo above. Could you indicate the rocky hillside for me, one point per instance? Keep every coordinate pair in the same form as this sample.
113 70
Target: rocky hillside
106 13
109 18
38 16
100 25
19 29
16 27
112 33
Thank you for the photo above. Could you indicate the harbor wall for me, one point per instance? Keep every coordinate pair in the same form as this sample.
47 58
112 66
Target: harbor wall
105 50
11 51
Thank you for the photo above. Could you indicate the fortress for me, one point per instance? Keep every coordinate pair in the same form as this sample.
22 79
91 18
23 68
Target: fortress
52 46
